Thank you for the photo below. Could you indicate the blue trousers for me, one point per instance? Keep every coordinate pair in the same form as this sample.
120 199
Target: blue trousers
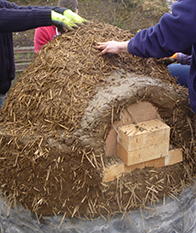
181 72
2 99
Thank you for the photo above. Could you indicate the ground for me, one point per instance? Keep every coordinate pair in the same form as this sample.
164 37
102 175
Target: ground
127 14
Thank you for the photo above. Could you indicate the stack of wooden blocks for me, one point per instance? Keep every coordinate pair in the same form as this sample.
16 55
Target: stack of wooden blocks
145 144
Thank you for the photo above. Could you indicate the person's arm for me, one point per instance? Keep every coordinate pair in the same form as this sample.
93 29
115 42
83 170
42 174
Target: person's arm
181 58
113 47
15 18
19 18
175 32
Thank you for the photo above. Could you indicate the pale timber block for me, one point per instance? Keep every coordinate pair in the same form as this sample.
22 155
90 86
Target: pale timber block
139 112
144 134
113 169
174 156
156 162
111 140
142 155
133 167
143 142
153 163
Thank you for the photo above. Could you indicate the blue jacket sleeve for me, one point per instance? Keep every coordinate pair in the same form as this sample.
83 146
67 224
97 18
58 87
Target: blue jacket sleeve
19 18
175 32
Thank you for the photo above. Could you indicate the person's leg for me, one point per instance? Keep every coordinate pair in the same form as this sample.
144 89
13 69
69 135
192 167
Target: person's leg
181 72
2 99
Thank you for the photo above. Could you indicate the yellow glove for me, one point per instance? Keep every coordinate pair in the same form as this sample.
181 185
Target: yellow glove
73 17
61 21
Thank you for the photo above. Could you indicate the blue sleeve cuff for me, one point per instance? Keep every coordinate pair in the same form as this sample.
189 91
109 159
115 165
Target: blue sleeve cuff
59 9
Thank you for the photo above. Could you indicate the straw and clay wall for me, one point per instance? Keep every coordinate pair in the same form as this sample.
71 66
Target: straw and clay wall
57 118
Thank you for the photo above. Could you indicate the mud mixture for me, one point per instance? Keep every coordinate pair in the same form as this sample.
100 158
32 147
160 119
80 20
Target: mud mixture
45 163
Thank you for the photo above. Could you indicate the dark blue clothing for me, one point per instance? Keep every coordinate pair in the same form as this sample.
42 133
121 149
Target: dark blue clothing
175 32
181 72
183 59
181 69
15 18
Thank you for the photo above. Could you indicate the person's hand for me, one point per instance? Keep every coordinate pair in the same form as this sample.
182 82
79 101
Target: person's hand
62 22
73 17
169 60
112 47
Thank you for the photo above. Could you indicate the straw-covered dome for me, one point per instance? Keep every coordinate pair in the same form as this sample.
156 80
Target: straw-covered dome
56 118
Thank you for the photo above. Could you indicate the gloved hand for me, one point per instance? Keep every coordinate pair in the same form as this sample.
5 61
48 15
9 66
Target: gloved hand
168 60
73 17
62 21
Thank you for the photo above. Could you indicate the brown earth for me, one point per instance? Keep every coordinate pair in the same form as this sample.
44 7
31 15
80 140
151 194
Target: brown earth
52 161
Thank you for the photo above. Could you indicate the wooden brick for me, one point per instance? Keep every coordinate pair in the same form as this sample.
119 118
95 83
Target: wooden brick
111 140
174 156
137 112
143 142
142 155
144 134
114 168
156 163
153 163
133 167
140 112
